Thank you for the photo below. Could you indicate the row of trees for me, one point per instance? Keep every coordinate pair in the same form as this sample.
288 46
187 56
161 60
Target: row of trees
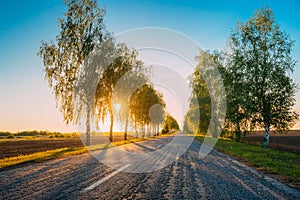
255 68
170 125
147 108
85 65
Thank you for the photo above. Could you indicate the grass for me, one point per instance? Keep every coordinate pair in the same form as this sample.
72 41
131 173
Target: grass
285 165
40 156
62 152
52 154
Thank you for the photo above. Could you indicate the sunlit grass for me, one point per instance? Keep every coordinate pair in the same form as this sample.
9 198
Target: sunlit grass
285 164
64 152
51 154
40 156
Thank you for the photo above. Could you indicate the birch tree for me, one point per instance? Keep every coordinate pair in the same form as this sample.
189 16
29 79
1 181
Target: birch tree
80 30
125 61
147 106
262 52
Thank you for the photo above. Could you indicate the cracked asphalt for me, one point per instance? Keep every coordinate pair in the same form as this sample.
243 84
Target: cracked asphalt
216 176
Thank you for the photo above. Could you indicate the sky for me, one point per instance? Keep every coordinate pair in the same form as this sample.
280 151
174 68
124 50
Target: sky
26 101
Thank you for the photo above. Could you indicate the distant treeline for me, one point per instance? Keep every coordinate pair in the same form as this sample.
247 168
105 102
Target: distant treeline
34 133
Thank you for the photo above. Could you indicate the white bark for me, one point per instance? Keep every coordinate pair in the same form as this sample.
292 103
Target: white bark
143 131
136 131
126 127
267 136
148 130
88 128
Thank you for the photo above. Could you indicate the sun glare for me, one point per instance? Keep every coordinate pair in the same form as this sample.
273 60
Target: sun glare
117 107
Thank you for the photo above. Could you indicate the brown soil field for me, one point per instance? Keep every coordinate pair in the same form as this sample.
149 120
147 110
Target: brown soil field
289 141
15 147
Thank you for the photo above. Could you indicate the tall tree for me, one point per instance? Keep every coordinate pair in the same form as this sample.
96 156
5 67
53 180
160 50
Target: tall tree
206 83
123 91
147 106
262 52
200 96
125 61
80 30
170 124
238 114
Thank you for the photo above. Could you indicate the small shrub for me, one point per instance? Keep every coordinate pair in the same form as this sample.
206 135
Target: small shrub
27 133
11 136
5 133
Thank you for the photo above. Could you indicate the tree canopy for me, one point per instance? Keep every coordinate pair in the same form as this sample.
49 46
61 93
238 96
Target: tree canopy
206 99
170 124
147 106
260 64
125 62
81 29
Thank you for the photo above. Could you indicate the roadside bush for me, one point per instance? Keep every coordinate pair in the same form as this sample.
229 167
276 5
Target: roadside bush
34 134
11 136
29 133
57 135
37 133
5 133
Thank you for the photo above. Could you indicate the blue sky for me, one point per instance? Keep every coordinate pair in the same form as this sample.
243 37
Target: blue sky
26 101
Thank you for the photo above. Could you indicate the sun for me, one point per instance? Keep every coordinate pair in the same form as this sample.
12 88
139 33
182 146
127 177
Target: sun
117 107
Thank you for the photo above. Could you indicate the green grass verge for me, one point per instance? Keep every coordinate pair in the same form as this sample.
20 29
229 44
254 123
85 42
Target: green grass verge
40 156
284 164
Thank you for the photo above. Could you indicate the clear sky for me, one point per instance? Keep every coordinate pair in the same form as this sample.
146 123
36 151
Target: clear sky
27 103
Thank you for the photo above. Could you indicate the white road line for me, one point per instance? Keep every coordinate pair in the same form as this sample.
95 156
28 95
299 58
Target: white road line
104 179
177 155
159 146
244 185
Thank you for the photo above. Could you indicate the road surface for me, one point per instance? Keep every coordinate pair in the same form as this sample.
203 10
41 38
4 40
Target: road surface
217 176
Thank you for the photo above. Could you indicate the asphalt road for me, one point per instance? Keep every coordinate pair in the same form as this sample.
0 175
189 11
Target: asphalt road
217 176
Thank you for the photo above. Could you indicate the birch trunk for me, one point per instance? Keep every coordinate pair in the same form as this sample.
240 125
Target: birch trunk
136 131
88 128
143 131
111 123
126 127
267 135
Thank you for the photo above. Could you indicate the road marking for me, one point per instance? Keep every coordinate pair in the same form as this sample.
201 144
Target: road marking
235 168
177 155
274 183
244 185
104 179
159 146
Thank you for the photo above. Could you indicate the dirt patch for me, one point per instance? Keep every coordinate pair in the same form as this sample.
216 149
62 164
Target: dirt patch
285 142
